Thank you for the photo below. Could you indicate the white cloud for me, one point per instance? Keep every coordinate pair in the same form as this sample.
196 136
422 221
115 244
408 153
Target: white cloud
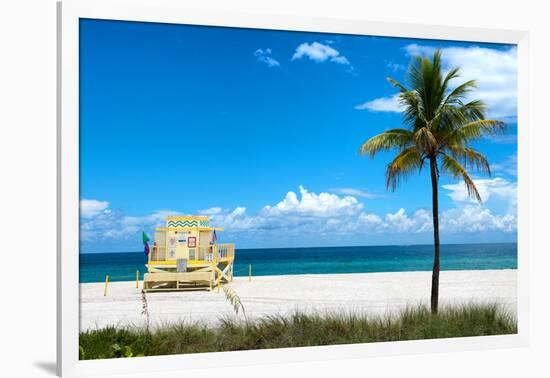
211 211
321 214
340 60
304 212
384 104
328 213
508 166
494 70
421 221
312 213
477 219
415 50
316 205
319 53
467 219
90 208
369 220
100 223
354 192
264 56
497 186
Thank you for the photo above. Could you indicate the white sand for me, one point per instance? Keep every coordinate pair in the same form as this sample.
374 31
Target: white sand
374 293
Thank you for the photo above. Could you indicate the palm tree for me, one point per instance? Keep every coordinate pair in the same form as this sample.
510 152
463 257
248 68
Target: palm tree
439 124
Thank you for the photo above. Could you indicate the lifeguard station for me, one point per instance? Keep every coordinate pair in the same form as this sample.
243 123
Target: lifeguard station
185 255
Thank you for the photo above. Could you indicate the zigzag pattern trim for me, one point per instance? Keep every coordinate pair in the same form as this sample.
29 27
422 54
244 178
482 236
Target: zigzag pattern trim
184 223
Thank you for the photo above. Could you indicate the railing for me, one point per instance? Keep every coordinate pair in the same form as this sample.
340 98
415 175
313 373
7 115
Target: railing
224 251
209 253
217 252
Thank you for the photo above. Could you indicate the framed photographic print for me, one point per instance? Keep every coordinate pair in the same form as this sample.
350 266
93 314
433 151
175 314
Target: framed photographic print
254 185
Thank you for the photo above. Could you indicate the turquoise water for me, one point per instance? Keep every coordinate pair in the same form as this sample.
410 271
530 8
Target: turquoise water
323 260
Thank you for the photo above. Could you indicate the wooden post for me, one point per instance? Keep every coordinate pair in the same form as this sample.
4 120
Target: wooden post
249 272
137 279
106 284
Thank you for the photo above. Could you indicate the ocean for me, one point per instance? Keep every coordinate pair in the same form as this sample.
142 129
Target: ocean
122 266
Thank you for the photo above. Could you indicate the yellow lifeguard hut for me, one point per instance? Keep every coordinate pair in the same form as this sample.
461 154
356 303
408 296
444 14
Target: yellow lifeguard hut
185 255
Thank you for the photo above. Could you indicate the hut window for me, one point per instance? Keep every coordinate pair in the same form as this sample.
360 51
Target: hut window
192 254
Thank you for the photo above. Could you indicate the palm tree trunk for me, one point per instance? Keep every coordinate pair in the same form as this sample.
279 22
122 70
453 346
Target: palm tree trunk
435 213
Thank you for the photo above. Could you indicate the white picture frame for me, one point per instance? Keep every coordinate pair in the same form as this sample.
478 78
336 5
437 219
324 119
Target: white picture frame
173 11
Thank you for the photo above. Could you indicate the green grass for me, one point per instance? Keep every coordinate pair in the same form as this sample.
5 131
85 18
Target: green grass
298 330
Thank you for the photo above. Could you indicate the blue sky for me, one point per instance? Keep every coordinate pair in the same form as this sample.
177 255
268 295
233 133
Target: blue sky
261 129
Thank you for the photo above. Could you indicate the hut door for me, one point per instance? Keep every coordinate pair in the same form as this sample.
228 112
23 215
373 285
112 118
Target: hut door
204 244
159 248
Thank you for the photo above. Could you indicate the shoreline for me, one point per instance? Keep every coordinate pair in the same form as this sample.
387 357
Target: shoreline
371 293
325 274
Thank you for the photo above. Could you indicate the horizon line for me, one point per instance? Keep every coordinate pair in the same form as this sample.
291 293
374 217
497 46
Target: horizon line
342 246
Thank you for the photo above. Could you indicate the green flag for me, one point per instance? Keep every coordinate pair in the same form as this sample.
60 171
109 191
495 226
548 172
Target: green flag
144 237
145 245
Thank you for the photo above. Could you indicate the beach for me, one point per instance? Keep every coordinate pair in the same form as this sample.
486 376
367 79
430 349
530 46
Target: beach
372 293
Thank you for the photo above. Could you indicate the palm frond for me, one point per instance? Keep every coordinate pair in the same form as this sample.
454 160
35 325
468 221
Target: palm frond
475 130
474 110
390 139
455 169
413 111
405 163
452 74
471 158
398 85
411 104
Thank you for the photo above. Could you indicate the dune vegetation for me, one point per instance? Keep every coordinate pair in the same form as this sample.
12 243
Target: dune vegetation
298 330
